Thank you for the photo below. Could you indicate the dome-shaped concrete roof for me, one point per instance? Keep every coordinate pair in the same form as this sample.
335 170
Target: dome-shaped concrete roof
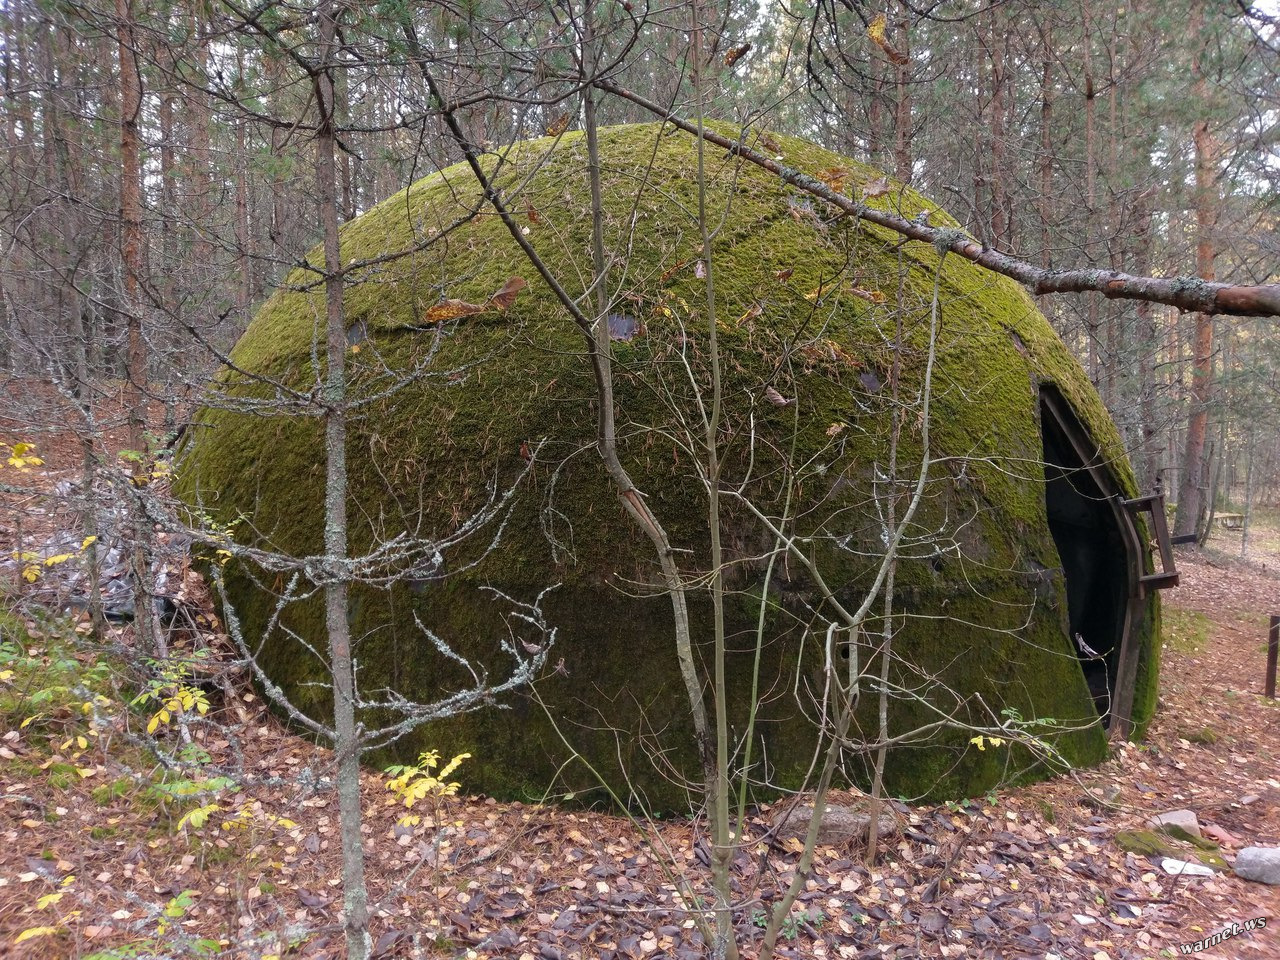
813 304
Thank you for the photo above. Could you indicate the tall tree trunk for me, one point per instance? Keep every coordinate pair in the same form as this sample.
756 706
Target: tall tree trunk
875 110
131 214
1090 193
1046 150
244 237
1113 362
998 185
281 228
1045 160
77 345
341 662
201 174
1191 500
902 115
1251 438
148 636
1147 341
168 267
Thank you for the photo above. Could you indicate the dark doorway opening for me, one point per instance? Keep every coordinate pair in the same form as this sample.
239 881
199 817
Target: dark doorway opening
1085 520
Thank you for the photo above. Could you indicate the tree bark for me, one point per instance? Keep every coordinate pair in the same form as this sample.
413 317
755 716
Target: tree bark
341 663
148 636
998 190
1147 343
902 108
1046 148
201 169
1190 486
1090 194
81 388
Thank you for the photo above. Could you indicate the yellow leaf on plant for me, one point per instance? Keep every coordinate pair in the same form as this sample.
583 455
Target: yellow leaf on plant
86 772
88 541
48 900
6 674
875 29
32 932
57 559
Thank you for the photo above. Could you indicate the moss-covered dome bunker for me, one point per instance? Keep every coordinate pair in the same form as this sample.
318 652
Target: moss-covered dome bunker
820 306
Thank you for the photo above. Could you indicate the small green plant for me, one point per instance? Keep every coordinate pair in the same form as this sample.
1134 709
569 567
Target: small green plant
33 565
171 689
196 797
167 934
221 537
981 741
50 903
792 923
410 784
186 789
249 814
50 688
20 455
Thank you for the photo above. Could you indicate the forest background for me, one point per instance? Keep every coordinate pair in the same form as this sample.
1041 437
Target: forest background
158 167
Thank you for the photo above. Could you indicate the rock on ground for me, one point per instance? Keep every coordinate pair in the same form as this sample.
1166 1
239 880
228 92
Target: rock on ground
841 824
1176 818
1261 864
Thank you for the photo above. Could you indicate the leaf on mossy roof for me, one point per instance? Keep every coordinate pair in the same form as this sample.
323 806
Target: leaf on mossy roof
452 310
507 295
876 188
455 309
834 177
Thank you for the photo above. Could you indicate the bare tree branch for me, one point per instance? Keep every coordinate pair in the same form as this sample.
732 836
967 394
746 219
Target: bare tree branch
1190 294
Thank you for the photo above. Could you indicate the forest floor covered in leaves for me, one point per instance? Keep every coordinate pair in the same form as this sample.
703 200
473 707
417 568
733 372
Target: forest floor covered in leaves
105 850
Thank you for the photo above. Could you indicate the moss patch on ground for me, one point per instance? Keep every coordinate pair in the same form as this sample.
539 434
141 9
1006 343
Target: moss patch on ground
1186 631
1171 842
818 306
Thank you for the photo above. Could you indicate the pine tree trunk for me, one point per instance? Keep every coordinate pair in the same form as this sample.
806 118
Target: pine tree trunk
1191 493
1090 195
998 187
902 115
148 636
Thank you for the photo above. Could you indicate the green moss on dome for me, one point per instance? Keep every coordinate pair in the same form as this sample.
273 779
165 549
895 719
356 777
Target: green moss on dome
808 300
